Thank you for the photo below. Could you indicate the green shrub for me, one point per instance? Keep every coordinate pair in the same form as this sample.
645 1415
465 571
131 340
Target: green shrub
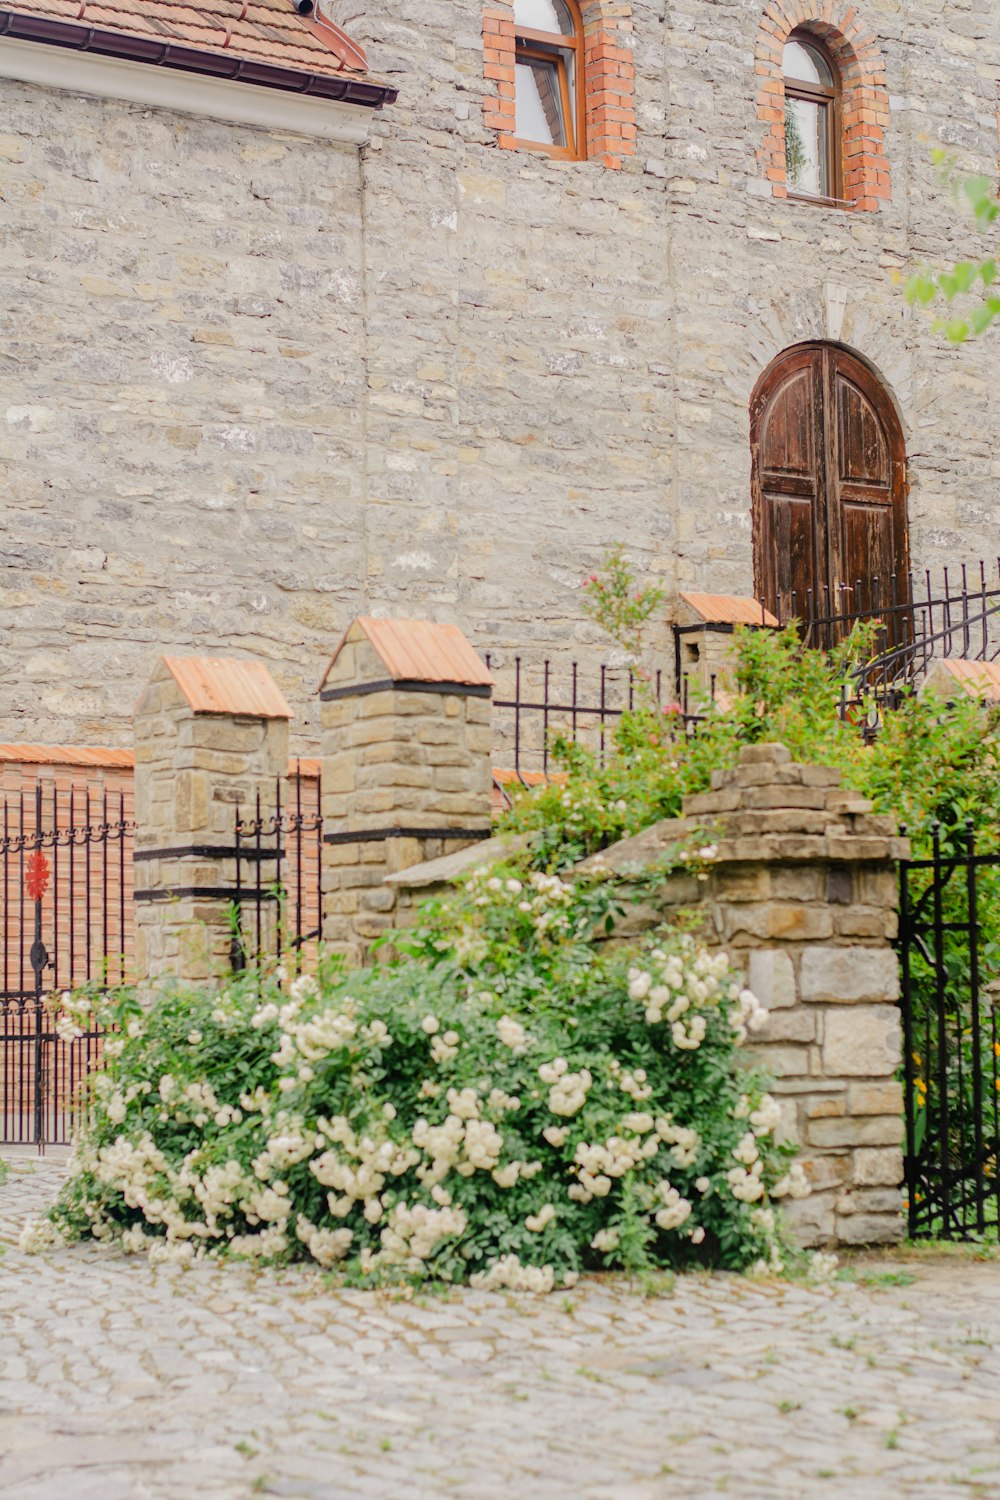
511 1103
931 762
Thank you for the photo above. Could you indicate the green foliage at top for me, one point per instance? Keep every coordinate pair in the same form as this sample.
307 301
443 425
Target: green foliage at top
930 763
623 608
969 288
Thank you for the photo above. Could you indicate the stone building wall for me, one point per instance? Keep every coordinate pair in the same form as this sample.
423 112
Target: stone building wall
255 384
180 426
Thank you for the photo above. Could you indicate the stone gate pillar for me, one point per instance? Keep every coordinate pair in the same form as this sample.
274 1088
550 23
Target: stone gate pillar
802 894
209 735
405 715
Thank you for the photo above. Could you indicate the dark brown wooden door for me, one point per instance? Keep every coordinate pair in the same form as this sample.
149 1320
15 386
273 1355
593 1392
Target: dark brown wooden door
829 487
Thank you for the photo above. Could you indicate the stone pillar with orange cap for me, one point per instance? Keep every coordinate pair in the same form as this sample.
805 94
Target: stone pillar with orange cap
210 735
405 715
703 642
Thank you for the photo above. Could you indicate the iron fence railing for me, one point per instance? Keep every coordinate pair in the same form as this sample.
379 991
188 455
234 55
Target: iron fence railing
916 619
65 920
278 897
580 703
951 1039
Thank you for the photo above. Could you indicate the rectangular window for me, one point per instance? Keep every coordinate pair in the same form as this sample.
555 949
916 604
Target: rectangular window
538 92
544 97
806 147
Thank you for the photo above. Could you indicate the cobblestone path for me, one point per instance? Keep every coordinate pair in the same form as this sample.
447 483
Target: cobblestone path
121 1382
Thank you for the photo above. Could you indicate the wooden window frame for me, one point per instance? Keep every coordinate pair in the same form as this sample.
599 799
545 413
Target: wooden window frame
553 47
830 100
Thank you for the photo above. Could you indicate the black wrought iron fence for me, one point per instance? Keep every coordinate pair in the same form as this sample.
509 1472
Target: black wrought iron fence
950 967
916 619
66 920
538 701
278 898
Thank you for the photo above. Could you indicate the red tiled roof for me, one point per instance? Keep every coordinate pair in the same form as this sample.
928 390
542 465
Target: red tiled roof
419 651
308 767
980 679
271 32
728 609
220 685
67 755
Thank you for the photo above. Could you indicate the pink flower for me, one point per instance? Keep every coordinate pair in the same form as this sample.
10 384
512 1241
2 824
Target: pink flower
672 708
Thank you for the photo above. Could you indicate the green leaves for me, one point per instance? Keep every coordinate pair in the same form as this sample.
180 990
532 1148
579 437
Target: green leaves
622 607
967 280
419 1121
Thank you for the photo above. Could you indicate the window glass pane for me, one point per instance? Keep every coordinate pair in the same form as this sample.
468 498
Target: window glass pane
806 64
544 15
805 147
539 102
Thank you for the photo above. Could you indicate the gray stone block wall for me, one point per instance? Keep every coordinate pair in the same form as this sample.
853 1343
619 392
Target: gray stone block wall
802 894
255 384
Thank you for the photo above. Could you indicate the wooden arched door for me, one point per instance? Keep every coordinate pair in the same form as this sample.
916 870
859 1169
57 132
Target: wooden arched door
829 487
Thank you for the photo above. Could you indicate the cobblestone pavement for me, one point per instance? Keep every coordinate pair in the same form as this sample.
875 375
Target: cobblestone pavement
121 1382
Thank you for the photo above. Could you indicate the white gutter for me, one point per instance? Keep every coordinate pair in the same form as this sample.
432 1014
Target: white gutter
188 93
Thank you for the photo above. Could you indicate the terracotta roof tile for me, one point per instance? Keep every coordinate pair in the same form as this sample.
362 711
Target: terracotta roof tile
67 755
728 609
977 678
218 685
100 757
266 31
419 651
308 767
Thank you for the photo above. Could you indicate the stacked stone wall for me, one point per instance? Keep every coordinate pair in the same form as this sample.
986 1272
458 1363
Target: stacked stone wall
194 771
802 894
406 778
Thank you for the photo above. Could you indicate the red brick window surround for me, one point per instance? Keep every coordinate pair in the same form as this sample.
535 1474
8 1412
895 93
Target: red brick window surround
864 95
607 130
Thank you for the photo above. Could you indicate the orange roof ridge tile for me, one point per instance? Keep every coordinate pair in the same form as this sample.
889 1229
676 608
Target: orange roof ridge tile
225 685
419 651
728 609
98 757
977 678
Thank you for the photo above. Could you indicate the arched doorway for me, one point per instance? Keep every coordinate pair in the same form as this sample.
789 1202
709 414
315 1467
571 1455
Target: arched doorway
828 486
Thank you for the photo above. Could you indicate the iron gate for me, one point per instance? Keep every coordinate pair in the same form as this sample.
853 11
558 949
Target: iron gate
950 963
65 918
278 898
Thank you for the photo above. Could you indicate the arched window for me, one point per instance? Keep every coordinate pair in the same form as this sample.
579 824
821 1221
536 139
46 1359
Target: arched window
548 77
812 120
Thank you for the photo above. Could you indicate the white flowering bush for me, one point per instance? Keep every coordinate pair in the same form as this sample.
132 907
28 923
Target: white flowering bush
509 1103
